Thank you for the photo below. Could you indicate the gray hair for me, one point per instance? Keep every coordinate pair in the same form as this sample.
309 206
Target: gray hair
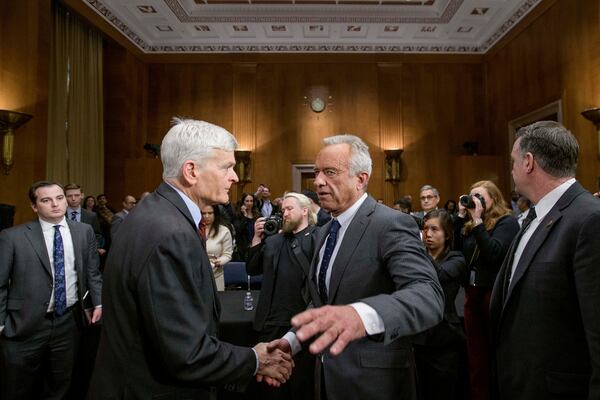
303 202
360 159
189 139
429 187
555 148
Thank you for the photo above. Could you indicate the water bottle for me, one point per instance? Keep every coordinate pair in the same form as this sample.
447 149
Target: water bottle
248 301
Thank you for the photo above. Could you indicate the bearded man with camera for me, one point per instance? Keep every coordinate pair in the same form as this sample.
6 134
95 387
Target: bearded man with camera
281 250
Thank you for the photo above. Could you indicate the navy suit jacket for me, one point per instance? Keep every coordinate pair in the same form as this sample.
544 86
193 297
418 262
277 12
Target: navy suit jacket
546 325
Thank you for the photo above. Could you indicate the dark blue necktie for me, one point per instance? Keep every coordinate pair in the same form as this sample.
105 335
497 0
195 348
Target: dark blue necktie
60 288
329 246
73 215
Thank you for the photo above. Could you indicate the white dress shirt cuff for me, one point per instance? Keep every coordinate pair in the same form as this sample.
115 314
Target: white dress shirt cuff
257 364
1 329
370 318
293 341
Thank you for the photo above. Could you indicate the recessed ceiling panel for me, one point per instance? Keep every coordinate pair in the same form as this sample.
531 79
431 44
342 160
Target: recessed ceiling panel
284 26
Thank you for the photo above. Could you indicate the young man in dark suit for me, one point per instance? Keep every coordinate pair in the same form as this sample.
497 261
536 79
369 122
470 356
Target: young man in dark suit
77 213
545 303
371 283
47 267
162 311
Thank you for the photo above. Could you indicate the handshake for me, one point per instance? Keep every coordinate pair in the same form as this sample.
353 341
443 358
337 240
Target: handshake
275 362
338 326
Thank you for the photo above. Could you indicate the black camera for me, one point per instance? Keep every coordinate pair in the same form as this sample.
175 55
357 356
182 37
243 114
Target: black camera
467 200
273 224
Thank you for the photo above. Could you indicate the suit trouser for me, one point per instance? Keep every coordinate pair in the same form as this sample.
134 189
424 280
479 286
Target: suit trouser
477 329
41 365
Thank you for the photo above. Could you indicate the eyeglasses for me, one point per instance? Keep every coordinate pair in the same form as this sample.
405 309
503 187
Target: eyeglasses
430 197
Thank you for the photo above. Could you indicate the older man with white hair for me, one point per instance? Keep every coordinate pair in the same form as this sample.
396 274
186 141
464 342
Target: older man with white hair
162 311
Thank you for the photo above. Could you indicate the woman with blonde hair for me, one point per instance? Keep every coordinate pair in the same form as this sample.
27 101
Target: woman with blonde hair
484 228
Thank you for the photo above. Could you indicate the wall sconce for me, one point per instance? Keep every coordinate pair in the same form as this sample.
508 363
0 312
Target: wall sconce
593 114
153 149
9 121
393 165
242 166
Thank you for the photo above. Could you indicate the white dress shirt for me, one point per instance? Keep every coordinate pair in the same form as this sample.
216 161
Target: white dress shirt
69 255
542 208
521 217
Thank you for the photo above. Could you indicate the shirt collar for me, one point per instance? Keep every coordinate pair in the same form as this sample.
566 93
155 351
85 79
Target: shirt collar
546 203
70 210
192 207
46 226
346 217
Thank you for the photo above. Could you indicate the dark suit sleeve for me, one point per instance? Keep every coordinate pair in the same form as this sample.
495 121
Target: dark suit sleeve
452 268
254 265
6 261
494 246
177 316
418 302
98 232
92 266
586 269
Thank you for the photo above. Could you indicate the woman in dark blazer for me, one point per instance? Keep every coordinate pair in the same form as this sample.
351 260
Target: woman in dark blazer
483 232
246 215
438 350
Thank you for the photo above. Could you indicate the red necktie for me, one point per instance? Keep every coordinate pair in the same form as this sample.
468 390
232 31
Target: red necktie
202 231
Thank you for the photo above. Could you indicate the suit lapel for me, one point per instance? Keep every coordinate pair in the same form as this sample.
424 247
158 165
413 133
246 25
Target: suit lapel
540 235
37 241
166 191
354 233
312 279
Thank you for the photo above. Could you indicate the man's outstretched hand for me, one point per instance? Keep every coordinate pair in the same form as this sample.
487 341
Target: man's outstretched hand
338 325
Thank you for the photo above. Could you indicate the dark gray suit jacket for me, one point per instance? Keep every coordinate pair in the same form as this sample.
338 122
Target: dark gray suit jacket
116 222
381 262
546 325
26 276
90 218
161 311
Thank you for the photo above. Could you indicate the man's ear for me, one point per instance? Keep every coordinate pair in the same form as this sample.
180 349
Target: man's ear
189 172
363 178
529 162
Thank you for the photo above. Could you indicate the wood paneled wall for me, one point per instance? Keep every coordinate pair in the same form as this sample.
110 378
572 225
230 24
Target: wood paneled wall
556 57
426 105
129 169
419 107
24 67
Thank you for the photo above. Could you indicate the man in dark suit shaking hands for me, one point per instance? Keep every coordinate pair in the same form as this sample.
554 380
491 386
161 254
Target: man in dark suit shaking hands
371 281
46 268
545 305
162 310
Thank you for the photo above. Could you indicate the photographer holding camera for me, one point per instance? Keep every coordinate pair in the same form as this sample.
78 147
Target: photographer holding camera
484 229
283 257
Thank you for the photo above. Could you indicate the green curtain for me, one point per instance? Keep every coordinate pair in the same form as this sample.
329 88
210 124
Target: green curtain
75 104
